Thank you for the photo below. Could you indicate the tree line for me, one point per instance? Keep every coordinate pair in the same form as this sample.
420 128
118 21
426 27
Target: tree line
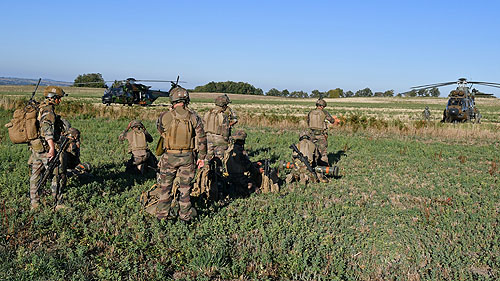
230 87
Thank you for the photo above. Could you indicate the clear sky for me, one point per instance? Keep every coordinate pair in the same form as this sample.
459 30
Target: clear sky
297 45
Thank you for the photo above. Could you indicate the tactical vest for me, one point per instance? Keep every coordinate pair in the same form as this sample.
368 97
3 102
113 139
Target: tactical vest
317 119
179 131
214 119
137 140
24 126
307 148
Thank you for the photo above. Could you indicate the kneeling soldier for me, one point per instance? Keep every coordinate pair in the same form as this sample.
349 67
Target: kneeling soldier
237 164
310 151
138 138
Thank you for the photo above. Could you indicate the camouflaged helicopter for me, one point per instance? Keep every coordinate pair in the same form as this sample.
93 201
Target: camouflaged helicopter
461 106
129 92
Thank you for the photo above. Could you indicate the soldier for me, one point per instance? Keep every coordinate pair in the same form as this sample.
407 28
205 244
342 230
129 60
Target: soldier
138 138
179 128
43 149
426 114
237 163
218 122
311 152
317 125
74 165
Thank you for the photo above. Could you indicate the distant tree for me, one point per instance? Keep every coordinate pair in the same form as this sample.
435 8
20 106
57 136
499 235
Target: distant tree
285 93
434 92
378 94
93 80
299 94
399 95
423 93
366 92
273 92
337 93
411 93
389 93
348 94
317 94
229 87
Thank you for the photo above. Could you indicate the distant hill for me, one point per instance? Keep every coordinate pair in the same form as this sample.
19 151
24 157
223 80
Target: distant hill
29 81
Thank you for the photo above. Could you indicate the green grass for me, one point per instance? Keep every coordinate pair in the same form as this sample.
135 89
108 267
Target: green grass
406 207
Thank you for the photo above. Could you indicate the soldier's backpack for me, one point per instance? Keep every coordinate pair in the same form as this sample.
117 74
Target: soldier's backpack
180 132
214 119
24 126
317 120
137 140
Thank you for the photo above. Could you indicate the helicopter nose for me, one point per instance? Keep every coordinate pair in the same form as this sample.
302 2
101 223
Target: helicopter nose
454 111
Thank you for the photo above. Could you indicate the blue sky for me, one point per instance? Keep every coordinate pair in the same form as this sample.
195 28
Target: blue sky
296 45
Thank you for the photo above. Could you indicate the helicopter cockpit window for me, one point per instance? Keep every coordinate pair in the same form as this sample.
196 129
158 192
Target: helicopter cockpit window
454 102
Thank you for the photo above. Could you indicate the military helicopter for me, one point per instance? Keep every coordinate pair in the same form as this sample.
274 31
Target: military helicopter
461 106
129 92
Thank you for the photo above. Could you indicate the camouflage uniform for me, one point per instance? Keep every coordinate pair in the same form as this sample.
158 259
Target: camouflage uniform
318 130
178 159
300 172
51 127
217 123
237 164
426 114
138 139
74 165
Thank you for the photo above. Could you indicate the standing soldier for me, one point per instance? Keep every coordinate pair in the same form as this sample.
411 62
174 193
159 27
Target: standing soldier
138 138
44 148
179 127
237 163
317 125
426 114
218 122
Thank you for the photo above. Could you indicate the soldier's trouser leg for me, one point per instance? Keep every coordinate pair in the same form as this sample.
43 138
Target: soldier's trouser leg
172 165
59 179
166 178
321 142
186 175
37 169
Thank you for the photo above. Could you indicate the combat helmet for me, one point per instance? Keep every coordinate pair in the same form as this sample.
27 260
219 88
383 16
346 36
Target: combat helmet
222 100
73 132
239 135
321 102
53 92
136 123
179 94
304 135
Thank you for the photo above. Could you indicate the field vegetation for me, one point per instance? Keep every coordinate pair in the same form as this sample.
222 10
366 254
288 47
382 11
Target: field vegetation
416 201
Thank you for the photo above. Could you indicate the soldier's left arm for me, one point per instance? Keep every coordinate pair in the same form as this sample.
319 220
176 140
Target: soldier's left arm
332 119
149 138
233 118
201 136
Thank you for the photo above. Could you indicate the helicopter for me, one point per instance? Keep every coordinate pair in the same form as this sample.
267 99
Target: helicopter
461 106
129 92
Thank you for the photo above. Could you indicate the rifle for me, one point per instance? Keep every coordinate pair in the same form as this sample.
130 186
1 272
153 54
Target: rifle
305 161
53 163
34 92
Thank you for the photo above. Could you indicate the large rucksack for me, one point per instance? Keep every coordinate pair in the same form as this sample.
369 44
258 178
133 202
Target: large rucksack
24 126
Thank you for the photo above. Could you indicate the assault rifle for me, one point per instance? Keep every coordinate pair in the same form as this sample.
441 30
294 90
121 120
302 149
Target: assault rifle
305 161
53 163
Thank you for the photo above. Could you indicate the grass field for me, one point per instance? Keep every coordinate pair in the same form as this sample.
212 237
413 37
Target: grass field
416 201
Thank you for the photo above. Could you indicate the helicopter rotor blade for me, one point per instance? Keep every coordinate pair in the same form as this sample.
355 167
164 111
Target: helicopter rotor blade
494 86
485 83
434 85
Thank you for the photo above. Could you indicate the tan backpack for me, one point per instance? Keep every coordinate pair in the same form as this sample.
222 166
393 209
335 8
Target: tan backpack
317 119
213 121
137 140
180 132
24 126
